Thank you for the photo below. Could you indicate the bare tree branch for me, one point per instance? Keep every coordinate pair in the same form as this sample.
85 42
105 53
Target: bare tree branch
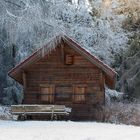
14 3
10 14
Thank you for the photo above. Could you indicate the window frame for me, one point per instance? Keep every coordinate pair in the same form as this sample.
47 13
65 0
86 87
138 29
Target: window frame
59 99
67 61
74 93
50 95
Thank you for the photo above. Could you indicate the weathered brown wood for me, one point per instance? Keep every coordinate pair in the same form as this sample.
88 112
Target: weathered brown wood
46 93
24 80
62 53
66 77
78 83
39 109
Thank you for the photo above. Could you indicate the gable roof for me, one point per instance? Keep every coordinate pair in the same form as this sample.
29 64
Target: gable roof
16 72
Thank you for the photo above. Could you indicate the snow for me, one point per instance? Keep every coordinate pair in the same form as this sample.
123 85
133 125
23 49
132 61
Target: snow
5 113
109 94
42 20
93 24
60 130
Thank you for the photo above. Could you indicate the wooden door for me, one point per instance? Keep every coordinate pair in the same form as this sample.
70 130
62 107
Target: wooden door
79 93
47 94
63 93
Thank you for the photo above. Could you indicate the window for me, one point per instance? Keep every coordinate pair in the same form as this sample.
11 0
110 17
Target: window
79 93
63 93
69 59
47 94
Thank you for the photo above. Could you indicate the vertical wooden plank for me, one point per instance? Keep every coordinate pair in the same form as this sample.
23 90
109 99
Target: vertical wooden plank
24 85
62 53
24 80
101 81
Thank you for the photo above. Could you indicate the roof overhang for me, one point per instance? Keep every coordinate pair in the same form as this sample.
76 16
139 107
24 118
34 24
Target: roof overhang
16 72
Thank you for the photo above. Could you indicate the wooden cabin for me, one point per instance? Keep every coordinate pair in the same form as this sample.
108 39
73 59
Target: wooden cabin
63 73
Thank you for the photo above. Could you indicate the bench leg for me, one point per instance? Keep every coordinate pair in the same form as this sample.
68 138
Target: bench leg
22 117
53 117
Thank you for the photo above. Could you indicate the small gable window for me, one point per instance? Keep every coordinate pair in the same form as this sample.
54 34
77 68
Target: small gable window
69 59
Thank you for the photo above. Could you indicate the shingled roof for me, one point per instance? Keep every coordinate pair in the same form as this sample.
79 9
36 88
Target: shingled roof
16 72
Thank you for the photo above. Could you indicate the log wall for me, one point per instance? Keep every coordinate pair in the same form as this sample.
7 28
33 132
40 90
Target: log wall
58 79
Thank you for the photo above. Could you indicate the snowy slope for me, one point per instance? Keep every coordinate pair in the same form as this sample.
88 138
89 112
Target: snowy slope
43 130
5 113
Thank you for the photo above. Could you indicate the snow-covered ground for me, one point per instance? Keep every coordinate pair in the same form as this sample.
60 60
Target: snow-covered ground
46 130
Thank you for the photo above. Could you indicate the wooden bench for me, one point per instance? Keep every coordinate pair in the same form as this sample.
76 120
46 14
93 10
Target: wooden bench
25 110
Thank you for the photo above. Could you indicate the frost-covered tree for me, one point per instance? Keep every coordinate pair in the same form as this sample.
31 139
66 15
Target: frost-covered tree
24 24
